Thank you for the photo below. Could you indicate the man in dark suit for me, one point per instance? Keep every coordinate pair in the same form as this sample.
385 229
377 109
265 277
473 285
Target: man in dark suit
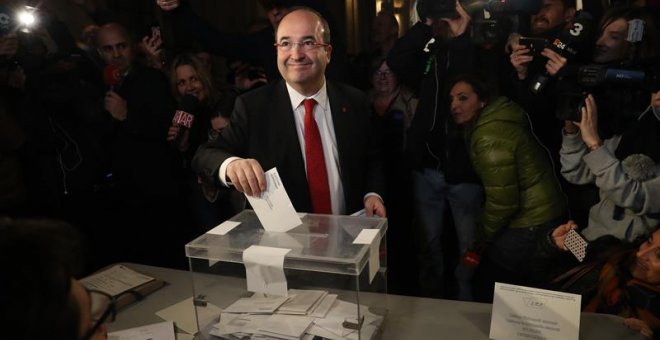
315 132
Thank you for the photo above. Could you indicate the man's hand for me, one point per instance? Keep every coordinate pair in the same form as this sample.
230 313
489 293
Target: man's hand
559 234
247 176
116 105
640 326
520 59
555 61
151 46
167 5
374 206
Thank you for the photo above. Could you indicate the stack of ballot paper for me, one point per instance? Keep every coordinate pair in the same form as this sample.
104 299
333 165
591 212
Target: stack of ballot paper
304 314
300 302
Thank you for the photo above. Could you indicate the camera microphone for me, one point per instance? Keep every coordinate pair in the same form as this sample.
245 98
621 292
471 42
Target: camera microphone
571 44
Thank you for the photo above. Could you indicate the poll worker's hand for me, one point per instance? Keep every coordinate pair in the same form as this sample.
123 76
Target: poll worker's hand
373 205
640 326
168 5
116 105
520 59
247 176
555 61
559 234
458 25
589 123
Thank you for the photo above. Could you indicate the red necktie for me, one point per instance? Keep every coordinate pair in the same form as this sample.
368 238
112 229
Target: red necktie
317 175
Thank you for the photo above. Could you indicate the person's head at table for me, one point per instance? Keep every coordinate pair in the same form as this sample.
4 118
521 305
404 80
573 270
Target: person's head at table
303 50
646 266
644 263
40 296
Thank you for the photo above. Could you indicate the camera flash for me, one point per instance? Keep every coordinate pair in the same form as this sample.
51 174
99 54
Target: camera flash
26 18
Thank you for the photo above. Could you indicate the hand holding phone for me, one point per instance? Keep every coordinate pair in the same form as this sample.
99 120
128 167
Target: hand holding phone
535 45
155 32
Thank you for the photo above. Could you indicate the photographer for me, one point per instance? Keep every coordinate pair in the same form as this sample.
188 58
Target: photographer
531 62
625 168
628 39
431 53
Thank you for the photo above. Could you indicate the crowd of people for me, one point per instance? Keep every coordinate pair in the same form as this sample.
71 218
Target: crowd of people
477 147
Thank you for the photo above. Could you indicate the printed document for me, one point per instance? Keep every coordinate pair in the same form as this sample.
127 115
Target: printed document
115 280
529 313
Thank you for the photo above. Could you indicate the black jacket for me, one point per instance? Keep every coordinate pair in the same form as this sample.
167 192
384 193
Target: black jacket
434 141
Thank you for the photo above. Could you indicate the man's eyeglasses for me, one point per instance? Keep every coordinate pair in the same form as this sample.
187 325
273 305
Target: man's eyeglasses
306 45
383 74
102 310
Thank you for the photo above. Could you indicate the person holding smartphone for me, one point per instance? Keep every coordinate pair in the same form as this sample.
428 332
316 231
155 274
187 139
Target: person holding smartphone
617 277
625 168
41 296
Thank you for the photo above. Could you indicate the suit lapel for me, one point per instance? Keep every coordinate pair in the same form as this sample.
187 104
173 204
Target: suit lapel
341 118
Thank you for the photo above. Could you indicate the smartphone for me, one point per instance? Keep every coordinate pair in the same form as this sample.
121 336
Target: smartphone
155 31
576 244
535 45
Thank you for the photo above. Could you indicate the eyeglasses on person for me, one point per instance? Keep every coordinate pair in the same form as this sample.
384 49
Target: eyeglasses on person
307 45
383 74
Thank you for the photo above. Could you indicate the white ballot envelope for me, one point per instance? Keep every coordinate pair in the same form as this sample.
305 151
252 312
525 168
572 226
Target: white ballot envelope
274 208
529 313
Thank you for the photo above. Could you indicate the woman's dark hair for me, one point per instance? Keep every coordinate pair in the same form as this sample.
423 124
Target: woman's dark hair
38 260
200 71
479 86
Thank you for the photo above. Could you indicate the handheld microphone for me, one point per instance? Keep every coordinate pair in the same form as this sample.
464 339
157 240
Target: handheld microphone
112 76
185 116
571 44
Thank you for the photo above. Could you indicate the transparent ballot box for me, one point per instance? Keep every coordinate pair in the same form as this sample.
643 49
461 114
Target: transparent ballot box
324 274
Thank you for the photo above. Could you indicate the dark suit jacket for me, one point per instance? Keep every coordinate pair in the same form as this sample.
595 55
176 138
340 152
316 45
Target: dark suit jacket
263 127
